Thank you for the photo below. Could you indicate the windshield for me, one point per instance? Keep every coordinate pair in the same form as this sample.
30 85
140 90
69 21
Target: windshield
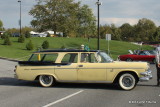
102 57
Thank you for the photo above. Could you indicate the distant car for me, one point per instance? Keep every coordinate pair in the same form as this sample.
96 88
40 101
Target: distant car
80 66
139 55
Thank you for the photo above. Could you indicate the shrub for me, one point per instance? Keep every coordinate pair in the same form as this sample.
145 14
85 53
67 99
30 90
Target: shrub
45 45
7 41
29 45
27 34
63 47
21 39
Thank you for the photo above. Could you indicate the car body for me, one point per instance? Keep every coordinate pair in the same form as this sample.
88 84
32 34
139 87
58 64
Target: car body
81 66
139 55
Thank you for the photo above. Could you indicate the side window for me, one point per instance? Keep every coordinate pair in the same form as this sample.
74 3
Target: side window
36 57
70 58
50 57
88 57
142 53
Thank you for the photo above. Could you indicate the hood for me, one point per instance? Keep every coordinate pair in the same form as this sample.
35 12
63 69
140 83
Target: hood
137 65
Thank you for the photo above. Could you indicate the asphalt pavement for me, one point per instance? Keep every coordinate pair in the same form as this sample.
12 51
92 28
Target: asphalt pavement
19 93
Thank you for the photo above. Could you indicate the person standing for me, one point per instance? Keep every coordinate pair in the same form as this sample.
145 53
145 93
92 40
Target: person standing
158 65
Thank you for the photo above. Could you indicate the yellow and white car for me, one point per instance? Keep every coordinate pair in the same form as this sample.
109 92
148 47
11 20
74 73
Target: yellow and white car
80 66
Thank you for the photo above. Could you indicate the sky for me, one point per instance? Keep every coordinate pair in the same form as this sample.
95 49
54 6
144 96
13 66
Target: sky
115 12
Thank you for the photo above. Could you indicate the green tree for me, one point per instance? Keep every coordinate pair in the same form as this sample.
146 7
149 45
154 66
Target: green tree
7 41
21 39
145 28
45 45
1 25
86 26
64 16
126 31
27 34
29 45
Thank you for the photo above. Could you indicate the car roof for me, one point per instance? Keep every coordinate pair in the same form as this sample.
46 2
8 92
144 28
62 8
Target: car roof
67 50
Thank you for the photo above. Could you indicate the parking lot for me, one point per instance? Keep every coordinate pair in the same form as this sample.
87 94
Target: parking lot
18 93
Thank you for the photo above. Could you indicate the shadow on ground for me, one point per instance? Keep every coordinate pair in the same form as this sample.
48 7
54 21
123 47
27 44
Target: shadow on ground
7 81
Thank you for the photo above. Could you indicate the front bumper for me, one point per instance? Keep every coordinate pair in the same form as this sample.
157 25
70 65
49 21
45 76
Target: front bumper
146 76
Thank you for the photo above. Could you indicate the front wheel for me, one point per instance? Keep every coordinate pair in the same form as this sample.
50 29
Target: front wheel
46 80
127 81
154 61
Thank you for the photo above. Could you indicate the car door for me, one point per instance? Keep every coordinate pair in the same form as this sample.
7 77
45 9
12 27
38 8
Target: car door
142 56
67 70
89 70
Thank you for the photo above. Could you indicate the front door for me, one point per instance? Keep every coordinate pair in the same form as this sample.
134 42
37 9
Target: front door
90 70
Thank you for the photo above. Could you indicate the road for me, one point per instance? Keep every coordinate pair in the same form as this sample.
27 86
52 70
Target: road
18 93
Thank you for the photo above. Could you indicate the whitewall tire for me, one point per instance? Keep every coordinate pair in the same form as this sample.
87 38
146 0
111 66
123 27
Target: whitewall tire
127 81
46 80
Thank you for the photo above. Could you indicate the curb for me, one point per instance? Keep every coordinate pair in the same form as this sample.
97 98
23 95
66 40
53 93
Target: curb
8 59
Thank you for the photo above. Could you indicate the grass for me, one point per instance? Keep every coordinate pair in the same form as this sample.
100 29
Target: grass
18 50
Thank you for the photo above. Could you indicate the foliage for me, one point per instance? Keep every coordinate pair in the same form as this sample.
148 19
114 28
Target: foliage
21 39
27 34
20 51
145 30
1 25
6 34
45 45
7 41
29 45
64 16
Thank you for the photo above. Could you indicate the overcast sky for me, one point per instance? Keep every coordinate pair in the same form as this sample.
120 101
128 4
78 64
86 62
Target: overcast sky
111 11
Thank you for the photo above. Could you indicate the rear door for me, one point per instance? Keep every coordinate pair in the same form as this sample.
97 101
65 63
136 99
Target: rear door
67 69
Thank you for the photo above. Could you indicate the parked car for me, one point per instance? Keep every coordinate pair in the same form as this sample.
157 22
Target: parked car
139 55
81 66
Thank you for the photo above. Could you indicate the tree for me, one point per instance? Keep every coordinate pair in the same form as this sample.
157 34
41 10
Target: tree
21 39
86 22
29 45
145 28
64 16
45 45
27 34
126 31
7 41
1 25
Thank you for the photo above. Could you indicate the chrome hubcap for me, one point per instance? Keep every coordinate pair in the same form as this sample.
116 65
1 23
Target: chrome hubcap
46 79
127 81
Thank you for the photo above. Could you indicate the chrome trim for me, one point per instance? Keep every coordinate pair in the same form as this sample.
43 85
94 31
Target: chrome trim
147 76
83 81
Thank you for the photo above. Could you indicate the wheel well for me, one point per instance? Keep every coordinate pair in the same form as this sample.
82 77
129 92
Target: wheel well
129 72
37 78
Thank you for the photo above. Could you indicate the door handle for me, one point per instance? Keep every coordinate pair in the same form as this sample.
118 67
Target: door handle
80 65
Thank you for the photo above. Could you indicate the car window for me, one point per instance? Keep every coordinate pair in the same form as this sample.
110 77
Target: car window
36 57
88 57
142 53
70 58
103 57
50 57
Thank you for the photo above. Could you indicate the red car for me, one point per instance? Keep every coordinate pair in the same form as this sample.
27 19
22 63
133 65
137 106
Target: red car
141 55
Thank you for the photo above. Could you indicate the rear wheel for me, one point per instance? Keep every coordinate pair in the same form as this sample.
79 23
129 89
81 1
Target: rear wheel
129 60
46 80
127 81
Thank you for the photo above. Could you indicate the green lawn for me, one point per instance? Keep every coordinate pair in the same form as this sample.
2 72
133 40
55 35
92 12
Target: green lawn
18 50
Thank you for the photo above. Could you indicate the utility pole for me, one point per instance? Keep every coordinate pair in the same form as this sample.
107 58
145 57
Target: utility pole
98 32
